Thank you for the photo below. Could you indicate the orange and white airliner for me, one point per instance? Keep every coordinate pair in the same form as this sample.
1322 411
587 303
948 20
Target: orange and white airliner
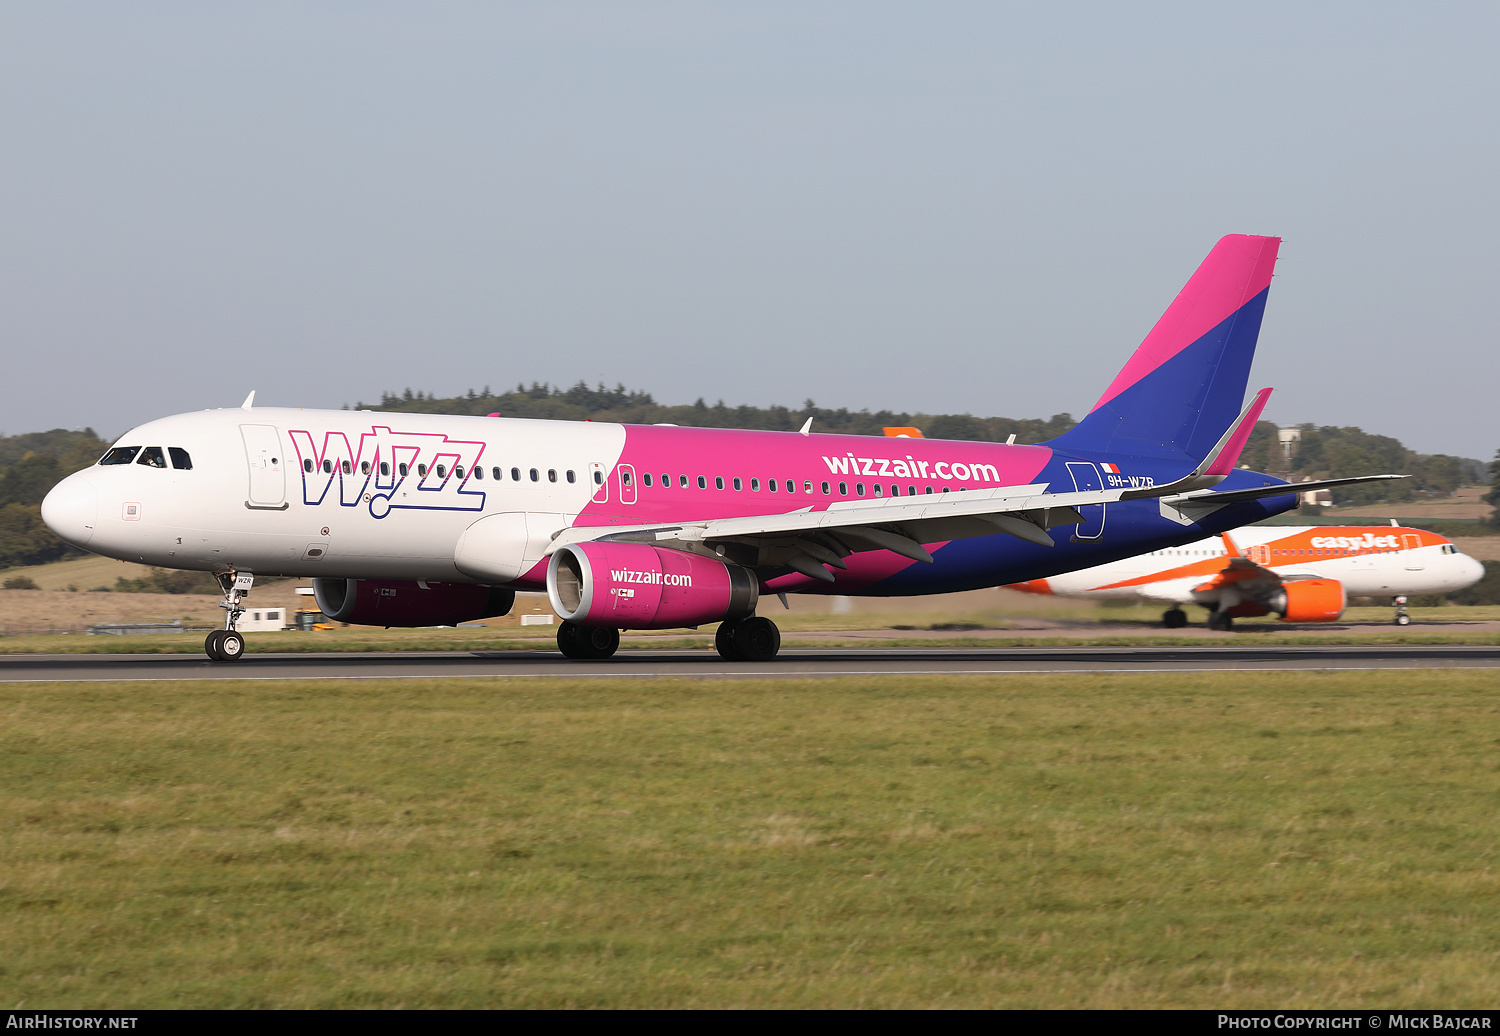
1301 574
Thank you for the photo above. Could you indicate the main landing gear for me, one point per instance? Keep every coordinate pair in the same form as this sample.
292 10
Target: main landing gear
1401 619
577 641
228 645
1220 620
748 640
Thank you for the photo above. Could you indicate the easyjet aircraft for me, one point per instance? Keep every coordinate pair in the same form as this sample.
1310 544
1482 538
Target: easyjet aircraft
422 519
1302 574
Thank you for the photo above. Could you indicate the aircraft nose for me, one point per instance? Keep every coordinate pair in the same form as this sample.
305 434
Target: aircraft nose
72 510
1470 571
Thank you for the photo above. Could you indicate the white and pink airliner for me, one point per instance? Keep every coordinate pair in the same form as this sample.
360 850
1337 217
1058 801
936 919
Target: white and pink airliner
420 519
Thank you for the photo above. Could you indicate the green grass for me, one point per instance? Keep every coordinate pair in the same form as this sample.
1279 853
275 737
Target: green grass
1205 841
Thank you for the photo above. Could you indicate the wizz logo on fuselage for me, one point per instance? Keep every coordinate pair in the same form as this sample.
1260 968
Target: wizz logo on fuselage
389 470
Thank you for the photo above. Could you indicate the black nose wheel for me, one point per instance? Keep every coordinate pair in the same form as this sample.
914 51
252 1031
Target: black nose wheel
224 646
1174 618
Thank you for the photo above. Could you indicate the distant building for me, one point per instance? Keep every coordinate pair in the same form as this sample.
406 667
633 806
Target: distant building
1290 440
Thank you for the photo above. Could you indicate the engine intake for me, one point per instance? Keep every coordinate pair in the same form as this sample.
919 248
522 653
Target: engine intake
374 602
1310 600
637 586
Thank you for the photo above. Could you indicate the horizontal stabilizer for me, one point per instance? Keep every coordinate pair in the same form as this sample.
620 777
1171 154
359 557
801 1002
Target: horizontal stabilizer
1208 496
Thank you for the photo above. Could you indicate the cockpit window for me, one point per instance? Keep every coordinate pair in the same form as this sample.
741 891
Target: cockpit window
119 455
152 457
180 459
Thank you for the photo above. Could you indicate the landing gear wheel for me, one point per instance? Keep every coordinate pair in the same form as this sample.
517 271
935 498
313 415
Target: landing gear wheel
1403 619
756 639
1220 621
231 646
568 640
211 645
577 641
1174 618
724 643
598 641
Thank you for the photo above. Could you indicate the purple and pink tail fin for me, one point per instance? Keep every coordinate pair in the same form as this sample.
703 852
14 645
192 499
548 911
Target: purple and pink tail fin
1185 383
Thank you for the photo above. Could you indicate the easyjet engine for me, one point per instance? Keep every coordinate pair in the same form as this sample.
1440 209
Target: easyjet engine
1309 600
375 602
637 586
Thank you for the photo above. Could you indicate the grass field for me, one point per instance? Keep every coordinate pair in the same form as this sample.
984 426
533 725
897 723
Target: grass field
1287 840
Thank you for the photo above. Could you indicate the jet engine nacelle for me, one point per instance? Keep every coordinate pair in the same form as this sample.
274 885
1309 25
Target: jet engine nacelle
637 586
1310 600
375 602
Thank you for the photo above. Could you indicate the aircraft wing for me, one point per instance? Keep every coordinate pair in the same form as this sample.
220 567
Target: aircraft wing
805 540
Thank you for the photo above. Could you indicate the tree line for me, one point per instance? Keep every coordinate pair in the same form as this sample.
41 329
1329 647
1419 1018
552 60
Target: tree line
31 464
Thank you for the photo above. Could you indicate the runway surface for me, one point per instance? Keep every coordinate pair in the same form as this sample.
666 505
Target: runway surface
791 663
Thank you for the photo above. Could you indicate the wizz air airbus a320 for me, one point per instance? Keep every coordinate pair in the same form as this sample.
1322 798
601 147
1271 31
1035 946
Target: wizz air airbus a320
422 520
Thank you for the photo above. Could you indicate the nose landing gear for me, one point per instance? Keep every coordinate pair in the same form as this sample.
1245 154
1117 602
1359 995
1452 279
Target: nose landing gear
228 645
1401 619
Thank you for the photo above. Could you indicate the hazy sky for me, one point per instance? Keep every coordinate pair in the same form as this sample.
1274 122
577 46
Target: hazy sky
939 207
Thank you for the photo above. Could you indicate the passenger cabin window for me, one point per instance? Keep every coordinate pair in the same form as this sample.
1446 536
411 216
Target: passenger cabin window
497 474
718 481
442 471
385 467
571 477
180 459
421 470
825 489
843 489
307 464
624 478
152 457
645 478
327 467
402 468
552 475
683 484
666 481
478 474
702 482
738 485
347 469
770 484
515 474
755 485
364 467
458 471
598 477
119 455
536 476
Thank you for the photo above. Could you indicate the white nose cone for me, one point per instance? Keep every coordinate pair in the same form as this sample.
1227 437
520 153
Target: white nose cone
1470 571
72 509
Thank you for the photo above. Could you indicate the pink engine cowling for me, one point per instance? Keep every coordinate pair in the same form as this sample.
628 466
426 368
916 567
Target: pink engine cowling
637 586
375 602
